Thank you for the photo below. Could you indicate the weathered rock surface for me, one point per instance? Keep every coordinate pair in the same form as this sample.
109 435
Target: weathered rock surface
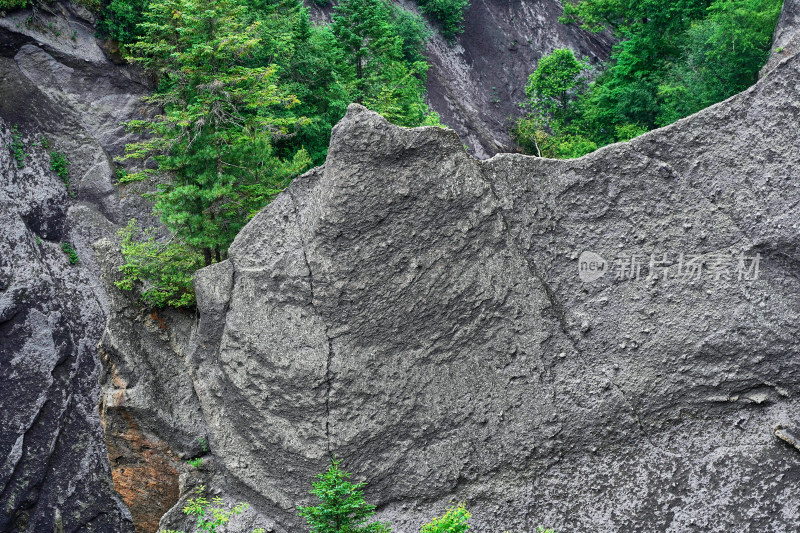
54 471
786 39
420 314
56 83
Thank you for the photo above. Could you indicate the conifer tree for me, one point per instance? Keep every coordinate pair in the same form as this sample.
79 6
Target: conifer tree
213 138
342 508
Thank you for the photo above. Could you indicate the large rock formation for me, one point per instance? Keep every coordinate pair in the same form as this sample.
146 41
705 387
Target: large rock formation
57 84
601 344
54 472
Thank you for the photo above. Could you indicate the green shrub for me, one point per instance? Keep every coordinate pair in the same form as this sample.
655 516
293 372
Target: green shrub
60 165
162 271
71 253
342 508
197 462
453 521
448 13
210 514
8 5
120 20
17 146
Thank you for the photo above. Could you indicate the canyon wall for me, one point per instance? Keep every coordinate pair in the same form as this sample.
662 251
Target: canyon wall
58 93
601 344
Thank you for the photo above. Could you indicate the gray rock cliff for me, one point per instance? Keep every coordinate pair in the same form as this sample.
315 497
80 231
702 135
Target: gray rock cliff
440 324
57 83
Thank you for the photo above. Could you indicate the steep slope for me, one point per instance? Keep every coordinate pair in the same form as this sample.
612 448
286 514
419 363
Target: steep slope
442 325
477 84
57 84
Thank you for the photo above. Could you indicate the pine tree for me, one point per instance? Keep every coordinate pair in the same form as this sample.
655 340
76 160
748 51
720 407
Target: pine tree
342 508
382 78
219 114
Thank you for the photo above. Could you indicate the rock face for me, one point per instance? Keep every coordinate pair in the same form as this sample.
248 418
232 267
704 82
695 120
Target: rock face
477 83
440 324
57 84
786 39
54 472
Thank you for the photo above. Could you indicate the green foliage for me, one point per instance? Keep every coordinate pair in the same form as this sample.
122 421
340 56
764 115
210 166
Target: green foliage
71 253
197 462
448 13
44 142
412 31
213 138
203 444
60 165
722 56
673 59
120 19
374 54
553 86
8 5
210 514
18 147
453 521
342 508
162 271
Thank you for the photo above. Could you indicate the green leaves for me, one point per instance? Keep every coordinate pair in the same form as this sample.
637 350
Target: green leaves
60 165
211 514
557 80
449 14
342 508
161 272
455 520
673 59
220 112
722 56
376 41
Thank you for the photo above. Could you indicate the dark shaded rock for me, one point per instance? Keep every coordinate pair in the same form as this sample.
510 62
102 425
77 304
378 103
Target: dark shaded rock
54 473
56 84
477 84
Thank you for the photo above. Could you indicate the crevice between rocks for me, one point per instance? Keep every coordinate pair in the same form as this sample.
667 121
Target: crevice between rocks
326 331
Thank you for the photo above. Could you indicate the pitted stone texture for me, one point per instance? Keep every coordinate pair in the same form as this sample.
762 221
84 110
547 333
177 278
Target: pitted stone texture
419 314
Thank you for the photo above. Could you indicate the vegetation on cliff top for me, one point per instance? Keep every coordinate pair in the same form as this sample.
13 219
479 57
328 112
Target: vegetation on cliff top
672 59
249 92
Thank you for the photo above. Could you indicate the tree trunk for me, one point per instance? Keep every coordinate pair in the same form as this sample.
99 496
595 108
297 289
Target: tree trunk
207 256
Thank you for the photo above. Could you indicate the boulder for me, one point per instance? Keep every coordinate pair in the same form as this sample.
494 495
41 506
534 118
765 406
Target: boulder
599 344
